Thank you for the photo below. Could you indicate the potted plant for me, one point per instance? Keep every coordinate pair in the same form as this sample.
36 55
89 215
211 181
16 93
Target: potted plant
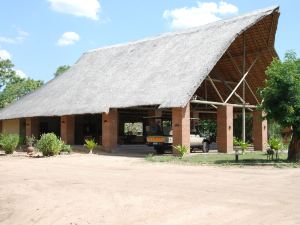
236 144
244 146
90 144
30 141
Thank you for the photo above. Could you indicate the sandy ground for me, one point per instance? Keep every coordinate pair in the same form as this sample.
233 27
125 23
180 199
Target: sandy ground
97 189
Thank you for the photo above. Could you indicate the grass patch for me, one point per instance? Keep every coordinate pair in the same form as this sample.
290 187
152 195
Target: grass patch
247 159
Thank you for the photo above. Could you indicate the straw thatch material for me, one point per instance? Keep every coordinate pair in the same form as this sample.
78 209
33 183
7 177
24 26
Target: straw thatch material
164 71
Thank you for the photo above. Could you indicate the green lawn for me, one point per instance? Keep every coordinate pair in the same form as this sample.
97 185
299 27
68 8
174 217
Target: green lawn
247 159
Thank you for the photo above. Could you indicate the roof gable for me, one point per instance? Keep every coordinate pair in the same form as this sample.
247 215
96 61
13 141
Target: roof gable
163 71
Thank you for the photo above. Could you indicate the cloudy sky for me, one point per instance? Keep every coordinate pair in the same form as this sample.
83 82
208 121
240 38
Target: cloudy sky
40 35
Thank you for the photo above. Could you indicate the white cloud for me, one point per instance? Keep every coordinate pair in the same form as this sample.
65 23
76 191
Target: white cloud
205 12
4 55
68 38
21 74
83 8
21 36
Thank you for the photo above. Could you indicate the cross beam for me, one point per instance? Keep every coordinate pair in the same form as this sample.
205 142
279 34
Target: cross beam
243 78
222 104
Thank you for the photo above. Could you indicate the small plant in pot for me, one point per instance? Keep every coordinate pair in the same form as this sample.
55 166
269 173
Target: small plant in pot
244 146
30 141
236 145
90 144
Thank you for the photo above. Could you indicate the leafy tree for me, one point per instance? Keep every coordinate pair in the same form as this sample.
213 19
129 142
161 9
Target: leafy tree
7 73
16 89
13 87
281 98
61 69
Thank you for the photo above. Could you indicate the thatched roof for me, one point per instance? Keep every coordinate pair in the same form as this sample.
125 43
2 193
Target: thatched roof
164 71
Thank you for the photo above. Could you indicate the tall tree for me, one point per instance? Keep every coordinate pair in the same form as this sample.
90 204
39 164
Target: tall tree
61 69
281 98
13 87
7 73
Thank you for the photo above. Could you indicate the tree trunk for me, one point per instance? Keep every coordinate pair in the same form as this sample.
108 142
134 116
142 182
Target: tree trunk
294 147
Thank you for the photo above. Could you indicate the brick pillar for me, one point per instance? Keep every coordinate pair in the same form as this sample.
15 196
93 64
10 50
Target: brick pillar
260 131
225 129
67 129
110 130
0 126
181 126
32 127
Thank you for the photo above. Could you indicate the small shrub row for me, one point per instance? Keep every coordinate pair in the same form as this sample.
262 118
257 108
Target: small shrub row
49 144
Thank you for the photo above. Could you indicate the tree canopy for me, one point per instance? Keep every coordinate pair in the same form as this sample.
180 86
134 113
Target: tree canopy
61 69
13 87
281 97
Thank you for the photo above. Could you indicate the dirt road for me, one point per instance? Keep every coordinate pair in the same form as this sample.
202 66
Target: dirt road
97 189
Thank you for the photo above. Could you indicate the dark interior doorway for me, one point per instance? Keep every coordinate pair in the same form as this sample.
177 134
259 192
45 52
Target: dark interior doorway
50 125
88 126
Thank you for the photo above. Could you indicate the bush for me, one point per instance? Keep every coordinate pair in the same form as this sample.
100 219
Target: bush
9 142
236 141
181 150
90 144
275 144
65 147
244 146
49 144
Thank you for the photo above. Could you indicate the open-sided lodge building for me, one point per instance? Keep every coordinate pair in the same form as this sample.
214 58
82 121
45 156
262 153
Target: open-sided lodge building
213 71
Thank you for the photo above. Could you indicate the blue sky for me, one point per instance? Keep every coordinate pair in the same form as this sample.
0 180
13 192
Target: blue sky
40 35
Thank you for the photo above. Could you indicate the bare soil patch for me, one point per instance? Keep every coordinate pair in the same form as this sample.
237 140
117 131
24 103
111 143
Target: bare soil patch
100 189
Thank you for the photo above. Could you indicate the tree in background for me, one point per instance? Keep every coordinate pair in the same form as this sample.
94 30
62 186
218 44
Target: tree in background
61 69
281 98
7 73
13 87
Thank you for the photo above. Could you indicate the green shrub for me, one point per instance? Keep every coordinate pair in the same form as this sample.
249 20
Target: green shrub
236 142
181 150
9 142
275 144
90 144
65 147
244 146
49 144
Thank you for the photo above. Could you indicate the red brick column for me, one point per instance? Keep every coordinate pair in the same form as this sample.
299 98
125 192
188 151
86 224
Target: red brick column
32 127
225 129
110 130
67 129
260 131
181 126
